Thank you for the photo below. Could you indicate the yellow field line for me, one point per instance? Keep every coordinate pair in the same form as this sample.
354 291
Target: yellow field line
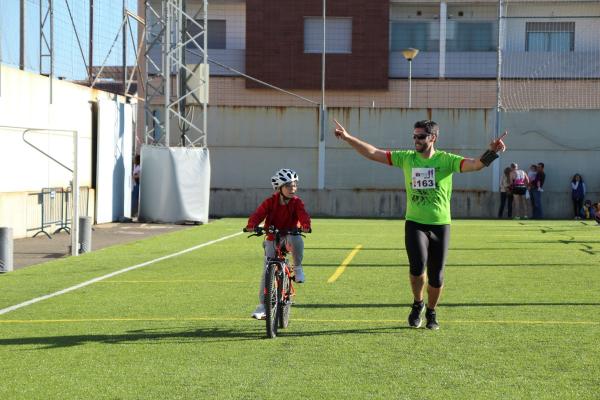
340 270
369 321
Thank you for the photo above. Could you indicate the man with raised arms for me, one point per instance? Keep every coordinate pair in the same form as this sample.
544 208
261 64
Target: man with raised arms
428 178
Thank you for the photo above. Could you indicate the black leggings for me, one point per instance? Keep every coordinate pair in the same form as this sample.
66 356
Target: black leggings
577 206
427 245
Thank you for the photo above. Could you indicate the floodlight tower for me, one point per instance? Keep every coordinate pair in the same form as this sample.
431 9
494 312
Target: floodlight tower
175 88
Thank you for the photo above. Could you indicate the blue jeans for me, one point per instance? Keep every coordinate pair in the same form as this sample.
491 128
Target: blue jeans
505 199
536 197
135 199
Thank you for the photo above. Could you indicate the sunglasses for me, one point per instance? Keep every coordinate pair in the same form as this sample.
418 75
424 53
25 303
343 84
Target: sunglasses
420 136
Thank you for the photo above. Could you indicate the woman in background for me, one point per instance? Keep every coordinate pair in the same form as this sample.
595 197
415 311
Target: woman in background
506 197
577 194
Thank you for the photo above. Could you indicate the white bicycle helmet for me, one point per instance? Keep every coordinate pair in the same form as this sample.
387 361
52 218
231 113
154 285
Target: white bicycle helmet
283 177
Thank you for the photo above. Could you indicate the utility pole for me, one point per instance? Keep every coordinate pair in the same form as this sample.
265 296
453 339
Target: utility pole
496 166
124 45
322 109
91 52
22 35
182 77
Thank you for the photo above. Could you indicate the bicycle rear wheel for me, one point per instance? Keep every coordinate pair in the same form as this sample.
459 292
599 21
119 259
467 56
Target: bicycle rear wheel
285 304
271 300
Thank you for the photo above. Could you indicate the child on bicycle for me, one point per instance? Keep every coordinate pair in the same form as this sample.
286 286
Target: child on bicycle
285 211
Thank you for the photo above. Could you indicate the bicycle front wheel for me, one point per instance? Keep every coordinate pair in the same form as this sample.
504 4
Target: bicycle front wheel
285 304
271 299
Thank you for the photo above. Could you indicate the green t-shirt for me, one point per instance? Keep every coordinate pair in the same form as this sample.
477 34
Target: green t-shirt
428 184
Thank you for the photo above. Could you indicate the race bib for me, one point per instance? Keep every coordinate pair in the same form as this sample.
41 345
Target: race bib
423 178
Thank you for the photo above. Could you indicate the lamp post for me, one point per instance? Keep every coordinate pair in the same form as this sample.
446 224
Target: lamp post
323 108
410 54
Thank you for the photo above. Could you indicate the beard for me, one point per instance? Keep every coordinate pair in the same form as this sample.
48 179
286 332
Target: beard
420 148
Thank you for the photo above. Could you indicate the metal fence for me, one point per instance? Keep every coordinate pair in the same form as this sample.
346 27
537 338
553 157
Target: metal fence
50 210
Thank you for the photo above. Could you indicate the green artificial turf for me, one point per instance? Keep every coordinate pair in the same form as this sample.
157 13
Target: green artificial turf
519 319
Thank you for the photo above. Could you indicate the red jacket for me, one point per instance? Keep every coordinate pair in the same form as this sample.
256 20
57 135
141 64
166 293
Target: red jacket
282 216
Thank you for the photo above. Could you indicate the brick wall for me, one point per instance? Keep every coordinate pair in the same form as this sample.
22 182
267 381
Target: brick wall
426 93
275 45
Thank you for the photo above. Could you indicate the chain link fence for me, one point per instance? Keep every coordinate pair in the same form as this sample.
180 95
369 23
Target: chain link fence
71 30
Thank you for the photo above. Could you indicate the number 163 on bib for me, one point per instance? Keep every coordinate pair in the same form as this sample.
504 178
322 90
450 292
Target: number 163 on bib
423 178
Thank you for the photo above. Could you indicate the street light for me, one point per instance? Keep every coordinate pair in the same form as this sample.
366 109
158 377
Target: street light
409 54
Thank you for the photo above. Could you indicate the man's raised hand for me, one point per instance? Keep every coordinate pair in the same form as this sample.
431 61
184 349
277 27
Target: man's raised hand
498 145
340 131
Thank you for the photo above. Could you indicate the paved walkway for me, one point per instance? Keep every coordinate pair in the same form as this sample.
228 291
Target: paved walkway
29 251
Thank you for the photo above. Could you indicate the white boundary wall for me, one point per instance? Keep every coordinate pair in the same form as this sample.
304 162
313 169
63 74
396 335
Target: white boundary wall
248 144
114 180
25 102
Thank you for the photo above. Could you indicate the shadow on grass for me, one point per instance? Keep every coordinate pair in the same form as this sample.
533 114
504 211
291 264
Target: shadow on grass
39 253
357 265
403 249
193 336
137 336
160 336
450 265
542 304
523 264
331 306
557 241
442 305
352 248
350 331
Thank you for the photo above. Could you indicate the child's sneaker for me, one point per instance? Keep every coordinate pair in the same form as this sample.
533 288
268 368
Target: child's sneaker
259 313
299 274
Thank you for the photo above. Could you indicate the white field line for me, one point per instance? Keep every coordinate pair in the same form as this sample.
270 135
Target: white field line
101 278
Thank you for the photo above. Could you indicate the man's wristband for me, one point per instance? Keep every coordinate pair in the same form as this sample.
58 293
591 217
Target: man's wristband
488 157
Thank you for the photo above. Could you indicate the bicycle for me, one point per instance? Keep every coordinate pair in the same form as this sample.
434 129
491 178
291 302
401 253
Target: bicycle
279 290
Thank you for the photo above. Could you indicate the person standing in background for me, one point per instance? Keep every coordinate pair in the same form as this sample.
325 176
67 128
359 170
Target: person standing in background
506 197
577 195
518 185
531 174
537 188
135 194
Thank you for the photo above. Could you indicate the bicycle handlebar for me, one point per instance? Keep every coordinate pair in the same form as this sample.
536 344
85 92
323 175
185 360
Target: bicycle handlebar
261 230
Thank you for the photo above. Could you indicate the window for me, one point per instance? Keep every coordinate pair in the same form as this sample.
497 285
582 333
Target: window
339 35
422 35
471 36
216 34
550 36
